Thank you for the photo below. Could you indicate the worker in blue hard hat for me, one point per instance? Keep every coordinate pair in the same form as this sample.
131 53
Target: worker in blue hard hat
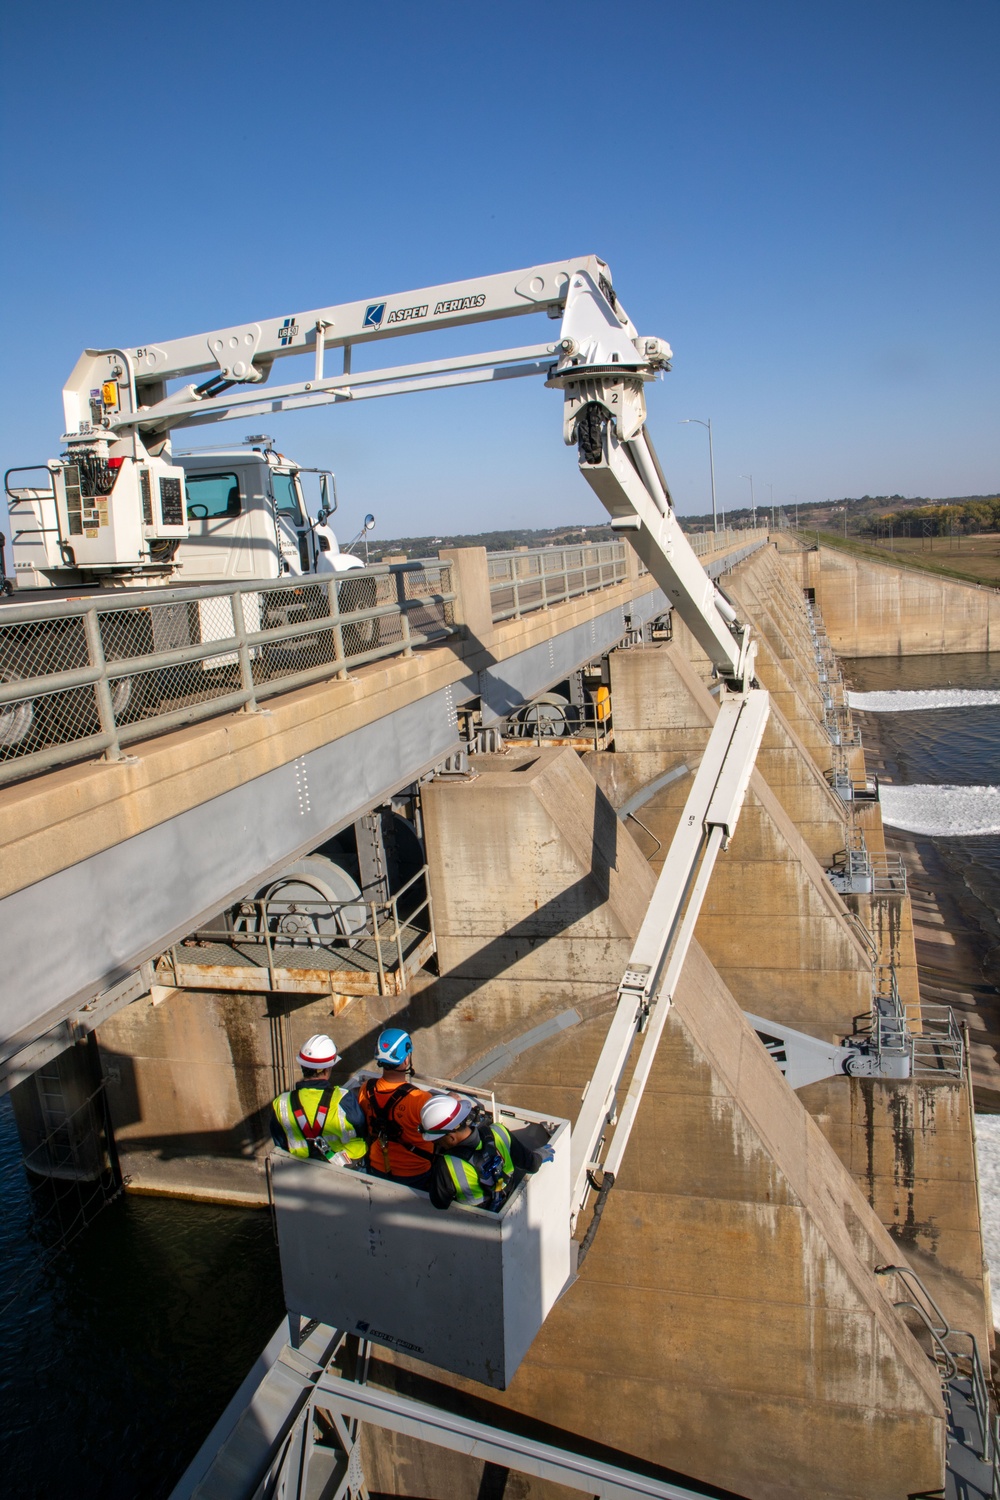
475 1158
391 1106
317 1118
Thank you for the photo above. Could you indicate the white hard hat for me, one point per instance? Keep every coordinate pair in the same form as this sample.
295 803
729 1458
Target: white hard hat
442 1114
319 1052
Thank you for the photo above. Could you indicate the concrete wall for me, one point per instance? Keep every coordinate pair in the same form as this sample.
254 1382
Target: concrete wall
531 823
880 609
726 1323
771 922
910 1147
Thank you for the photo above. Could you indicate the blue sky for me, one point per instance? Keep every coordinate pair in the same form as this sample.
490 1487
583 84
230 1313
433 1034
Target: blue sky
801 197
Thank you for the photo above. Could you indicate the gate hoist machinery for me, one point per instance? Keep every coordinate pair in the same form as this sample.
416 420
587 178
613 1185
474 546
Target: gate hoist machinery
122 509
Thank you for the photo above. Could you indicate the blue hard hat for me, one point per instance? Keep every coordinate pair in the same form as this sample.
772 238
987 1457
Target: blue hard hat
394 1047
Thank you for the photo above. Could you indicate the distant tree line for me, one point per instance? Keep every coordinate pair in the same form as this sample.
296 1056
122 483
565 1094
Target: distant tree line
966 516
493 541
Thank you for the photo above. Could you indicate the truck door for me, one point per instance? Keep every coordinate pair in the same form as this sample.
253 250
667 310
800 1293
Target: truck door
219 544
295 534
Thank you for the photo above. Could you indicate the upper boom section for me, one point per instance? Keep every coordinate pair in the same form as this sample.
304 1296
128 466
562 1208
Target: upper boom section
119 411
244 354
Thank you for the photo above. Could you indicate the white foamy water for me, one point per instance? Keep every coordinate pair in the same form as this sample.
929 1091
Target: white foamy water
901 702
942 811
988 1153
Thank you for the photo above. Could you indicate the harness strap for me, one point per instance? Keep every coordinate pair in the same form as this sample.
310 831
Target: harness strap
385 1126
301 1118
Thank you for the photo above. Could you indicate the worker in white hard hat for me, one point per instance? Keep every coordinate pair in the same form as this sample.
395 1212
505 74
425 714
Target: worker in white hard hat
317 1118
474 1160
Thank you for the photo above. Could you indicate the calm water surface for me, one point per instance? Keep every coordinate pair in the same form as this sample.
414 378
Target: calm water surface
117 1356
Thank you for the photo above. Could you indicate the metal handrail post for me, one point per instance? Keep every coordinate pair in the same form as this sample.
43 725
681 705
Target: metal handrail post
338 629
399 940
102 688
378 950
246 666
271 977
404 618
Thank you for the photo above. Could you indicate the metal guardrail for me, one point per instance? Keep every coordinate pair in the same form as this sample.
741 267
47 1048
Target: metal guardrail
88 677
937 1050
920 1302
704 543
939 1047
92 676
521 582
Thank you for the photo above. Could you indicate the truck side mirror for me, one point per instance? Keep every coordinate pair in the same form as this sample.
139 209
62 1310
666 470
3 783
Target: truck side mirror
327 496
369 521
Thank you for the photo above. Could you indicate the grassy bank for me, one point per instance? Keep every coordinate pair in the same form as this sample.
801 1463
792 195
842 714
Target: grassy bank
977 559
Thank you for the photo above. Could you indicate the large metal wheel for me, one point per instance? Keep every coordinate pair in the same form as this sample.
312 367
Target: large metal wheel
312 902
16 719
546 717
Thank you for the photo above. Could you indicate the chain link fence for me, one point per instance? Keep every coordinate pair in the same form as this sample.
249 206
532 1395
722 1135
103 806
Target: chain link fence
93 676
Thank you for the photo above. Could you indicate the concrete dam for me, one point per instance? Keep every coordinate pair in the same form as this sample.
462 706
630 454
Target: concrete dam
787 1293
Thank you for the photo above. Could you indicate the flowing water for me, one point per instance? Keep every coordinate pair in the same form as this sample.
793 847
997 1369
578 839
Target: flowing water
937 720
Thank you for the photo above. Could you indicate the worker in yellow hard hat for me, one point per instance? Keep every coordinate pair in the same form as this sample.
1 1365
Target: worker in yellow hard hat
317 1118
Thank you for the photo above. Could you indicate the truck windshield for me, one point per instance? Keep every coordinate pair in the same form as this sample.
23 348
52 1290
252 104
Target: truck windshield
286 496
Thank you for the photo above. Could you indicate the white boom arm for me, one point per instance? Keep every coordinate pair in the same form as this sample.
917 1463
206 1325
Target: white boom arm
118 408
707 823
117 403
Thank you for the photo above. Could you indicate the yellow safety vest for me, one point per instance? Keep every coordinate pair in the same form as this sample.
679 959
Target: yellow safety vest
336 1131
473 1184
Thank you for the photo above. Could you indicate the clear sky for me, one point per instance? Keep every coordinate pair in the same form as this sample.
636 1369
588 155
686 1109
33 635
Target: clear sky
800 196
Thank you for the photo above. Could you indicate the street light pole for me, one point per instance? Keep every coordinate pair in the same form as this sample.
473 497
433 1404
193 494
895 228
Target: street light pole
753 503
711 462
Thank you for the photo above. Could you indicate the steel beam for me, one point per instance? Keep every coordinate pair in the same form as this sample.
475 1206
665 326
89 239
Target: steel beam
428 1424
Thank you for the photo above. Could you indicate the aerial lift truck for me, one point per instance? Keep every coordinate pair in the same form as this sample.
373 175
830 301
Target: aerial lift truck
122 510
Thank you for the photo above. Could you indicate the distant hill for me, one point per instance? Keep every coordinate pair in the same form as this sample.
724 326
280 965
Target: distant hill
493 541
862 516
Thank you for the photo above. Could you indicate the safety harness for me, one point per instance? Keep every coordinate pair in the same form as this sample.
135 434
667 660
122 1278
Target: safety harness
484 1180
301 1119
382 1123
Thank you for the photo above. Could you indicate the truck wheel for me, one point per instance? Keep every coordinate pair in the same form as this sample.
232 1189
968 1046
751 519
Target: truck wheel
16 719
355 594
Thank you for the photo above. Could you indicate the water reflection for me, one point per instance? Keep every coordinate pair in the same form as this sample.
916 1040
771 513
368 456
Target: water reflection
117 1356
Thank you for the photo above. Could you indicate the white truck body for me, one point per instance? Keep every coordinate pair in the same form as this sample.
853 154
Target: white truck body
219 515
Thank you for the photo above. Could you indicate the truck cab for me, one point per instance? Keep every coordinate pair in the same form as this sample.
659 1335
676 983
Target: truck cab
236 514
247 518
